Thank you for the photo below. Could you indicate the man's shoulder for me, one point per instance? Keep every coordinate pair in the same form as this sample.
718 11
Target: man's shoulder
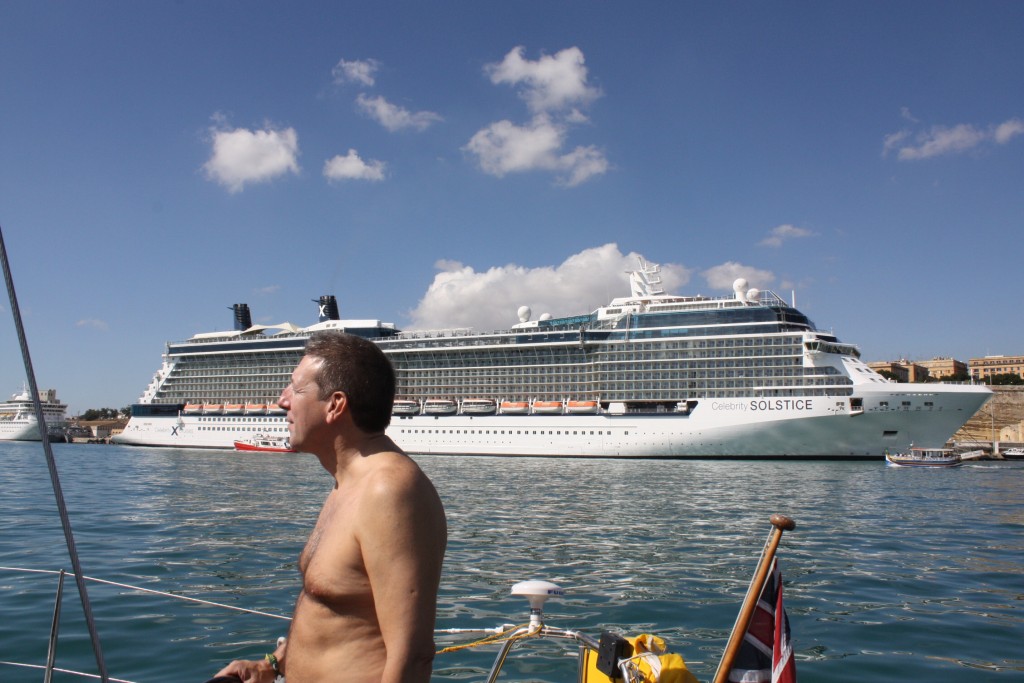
392 471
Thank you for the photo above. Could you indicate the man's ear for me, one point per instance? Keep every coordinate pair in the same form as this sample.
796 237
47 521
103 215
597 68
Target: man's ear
337 404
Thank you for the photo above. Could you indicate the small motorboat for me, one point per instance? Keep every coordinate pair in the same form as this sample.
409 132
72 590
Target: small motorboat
265 444
924 457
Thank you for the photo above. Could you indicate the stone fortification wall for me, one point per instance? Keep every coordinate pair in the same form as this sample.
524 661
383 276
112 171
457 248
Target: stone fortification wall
1004 409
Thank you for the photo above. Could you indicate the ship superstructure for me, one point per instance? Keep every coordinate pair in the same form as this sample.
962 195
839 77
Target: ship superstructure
648 375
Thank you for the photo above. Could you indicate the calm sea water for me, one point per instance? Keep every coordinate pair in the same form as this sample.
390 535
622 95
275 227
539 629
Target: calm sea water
891 574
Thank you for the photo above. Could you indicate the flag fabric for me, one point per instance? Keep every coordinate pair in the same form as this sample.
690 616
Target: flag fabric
766 655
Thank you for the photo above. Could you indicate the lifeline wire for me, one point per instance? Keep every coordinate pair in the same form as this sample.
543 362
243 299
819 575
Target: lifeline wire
52 465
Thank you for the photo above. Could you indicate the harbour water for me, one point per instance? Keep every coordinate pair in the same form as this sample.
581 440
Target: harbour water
891 574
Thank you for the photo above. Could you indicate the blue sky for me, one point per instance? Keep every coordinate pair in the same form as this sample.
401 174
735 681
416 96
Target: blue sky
442 164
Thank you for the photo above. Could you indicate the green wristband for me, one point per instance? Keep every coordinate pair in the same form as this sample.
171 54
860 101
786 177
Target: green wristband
274 664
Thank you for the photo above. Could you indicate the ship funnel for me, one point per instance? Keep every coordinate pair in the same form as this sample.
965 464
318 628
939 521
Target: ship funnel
328 308
243 320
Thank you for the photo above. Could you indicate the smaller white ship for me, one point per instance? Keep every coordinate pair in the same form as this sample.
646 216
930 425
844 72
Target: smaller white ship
18 417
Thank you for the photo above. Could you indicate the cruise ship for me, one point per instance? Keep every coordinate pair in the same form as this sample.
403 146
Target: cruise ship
18 417
650 375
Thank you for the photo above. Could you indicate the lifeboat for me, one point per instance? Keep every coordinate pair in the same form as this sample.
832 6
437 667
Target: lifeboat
212 408
274 409
233 408
255 408
405 407
515 407
439 406
547 407
193 408
581 407
478 406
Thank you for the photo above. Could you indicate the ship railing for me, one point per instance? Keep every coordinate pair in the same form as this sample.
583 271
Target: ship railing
506 636
612 654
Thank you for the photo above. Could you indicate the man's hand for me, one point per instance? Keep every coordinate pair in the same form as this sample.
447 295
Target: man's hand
249 671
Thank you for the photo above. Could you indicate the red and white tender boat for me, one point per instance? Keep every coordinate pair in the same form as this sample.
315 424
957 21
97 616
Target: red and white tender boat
264 443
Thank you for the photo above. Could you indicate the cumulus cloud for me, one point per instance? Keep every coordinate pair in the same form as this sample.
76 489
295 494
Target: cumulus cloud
722 276
781 233
394 117
503 147
352 167
462 297
356 71
242 156
548 84
93 323
944 140
554 88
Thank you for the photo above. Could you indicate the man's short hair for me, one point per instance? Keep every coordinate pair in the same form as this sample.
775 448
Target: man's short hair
359 369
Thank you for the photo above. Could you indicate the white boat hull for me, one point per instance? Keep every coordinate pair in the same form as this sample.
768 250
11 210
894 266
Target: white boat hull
741 427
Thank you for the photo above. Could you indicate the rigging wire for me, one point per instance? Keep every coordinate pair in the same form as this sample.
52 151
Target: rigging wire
52 465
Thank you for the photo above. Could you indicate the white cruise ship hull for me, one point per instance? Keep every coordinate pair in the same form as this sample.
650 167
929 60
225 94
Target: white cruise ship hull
736 427
20 431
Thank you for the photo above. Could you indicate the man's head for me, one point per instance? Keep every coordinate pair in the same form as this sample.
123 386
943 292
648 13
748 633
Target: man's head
360 370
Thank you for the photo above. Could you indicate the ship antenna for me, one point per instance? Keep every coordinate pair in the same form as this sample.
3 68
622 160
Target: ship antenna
52 465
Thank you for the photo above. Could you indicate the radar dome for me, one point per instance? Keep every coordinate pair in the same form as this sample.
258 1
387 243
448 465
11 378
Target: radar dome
739 288
524 313
545 316
754 295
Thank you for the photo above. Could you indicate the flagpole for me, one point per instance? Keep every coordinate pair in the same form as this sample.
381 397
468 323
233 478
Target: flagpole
780 523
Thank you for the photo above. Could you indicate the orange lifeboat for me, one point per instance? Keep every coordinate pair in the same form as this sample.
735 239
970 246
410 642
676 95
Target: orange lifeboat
514 407
547 407
580 407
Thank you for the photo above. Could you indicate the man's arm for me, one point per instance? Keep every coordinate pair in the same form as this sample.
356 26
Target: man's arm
402 536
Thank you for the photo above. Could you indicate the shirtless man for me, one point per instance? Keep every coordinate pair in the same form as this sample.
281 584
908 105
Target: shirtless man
372 565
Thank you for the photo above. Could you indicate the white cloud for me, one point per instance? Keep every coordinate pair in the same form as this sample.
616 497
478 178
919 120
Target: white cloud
550 83
269 289
355 71
352 167
580 164
393 117
554 88
781 233
93 323
462 297
945 140
503 147
1007 130
243 156
722 276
